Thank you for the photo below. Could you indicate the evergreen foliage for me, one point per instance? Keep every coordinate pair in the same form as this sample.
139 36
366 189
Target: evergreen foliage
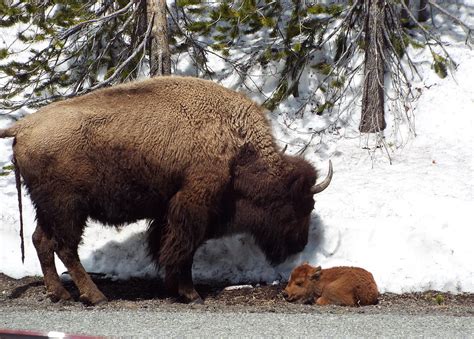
74 46
294 34
288 34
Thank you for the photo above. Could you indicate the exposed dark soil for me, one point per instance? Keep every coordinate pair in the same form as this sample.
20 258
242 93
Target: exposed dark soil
30 293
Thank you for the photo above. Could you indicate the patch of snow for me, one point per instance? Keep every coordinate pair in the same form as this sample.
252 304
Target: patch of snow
237 287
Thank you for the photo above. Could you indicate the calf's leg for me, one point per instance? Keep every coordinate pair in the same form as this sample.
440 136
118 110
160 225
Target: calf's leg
337 293
322 301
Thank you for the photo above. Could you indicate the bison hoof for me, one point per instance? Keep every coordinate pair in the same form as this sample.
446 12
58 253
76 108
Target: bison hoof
94 299
197 301
191 298
58 295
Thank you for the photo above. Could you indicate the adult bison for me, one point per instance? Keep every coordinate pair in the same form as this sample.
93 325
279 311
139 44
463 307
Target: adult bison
196 159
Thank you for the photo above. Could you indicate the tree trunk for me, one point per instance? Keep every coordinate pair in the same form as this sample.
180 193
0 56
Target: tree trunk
159 49
372 116
423 13
140 23
404 14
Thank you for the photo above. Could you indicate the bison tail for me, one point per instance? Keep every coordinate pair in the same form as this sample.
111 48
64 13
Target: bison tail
7 133
11 133
20 207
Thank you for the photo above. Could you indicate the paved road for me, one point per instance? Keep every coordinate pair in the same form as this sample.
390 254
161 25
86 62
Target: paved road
226 324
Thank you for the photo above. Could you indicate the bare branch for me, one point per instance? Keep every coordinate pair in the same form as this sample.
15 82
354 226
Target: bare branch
454 18
428 35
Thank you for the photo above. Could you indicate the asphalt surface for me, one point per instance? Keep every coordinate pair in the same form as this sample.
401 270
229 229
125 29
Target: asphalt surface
234 324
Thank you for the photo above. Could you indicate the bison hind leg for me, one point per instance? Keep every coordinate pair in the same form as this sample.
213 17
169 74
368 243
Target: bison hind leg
66 228
89 293
45 250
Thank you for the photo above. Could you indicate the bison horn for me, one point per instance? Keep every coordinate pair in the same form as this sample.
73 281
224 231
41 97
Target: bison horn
325 183
284 149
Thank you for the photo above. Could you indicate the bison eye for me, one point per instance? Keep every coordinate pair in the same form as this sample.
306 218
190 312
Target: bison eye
299 283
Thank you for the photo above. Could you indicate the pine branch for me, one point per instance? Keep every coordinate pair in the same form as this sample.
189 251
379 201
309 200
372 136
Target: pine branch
119 69
79 26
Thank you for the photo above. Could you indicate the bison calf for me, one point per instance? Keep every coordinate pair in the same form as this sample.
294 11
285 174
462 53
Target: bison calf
345 286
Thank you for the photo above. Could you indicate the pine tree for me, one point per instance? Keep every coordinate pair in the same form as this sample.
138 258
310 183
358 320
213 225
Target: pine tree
297 36
75 46
159 51
65 48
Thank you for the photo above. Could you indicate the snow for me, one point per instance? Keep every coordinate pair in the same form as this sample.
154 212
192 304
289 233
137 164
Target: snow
403 212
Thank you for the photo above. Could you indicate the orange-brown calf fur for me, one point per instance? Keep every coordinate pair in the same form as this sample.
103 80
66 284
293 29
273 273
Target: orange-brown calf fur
345 286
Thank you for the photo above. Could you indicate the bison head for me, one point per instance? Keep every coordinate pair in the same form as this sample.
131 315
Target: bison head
275 209
302 286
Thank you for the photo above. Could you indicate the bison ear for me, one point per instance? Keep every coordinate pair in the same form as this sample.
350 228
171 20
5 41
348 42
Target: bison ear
245 155
296 184
249 175
316 273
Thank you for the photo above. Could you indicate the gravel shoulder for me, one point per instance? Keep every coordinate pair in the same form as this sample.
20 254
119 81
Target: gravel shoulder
142 294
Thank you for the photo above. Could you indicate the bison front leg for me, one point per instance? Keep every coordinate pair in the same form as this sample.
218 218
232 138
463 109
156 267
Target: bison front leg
179 281
188 219
186 285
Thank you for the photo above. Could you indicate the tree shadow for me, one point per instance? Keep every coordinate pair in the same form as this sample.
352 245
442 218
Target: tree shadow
443 24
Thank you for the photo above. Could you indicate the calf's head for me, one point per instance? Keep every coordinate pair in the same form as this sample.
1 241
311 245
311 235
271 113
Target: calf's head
303 285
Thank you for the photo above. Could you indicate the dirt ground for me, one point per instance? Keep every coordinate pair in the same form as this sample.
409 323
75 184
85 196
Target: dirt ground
29 292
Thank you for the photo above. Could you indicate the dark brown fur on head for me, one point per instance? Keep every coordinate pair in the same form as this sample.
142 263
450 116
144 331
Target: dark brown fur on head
274 209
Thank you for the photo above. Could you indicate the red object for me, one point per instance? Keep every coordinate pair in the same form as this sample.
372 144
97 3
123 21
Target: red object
8 333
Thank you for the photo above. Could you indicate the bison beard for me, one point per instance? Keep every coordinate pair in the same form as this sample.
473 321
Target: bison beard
194 158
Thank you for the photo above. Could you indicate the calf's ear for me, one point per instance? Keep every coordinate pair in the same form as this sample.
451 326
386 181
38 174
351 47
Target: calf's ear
316 273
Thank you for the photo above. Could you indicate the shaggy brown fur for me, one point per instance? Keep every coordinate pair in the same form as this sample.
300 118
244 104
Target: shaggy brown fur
194 158
346 286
